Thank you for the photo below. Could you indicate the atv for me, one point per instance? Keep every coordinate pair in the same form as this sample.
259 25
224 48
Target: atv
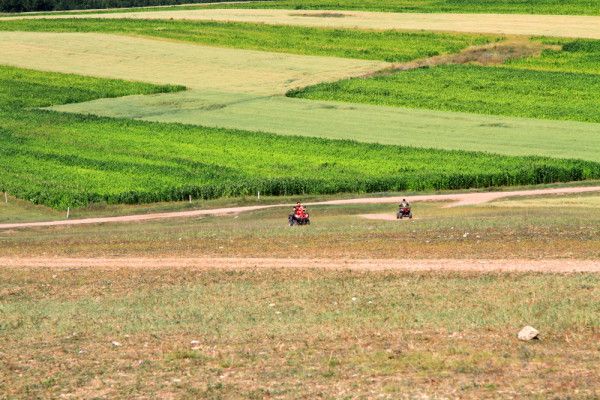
404 212
293 219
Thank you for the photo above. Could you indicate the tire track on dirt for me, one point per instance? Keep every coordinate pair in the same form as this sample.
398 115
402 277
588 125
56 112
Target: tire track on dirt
424 265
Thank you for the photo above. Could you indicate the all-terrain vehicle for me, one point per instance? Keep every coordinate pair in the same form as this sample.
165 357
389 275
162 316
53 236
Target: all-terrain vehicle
295 219
404 212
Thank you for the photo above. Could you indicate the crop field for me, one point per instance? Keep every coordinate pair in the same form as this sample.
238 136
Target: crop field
545 7
577 56
577 7
543 25
477 89
359 122
222 69
82 165
390 46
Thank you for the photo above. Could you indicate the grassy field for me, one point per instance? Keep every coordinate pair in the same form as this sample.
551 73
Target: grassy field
470 88
579 56
283 334
391 46
582 7
170 62
557 227
360 122
568 7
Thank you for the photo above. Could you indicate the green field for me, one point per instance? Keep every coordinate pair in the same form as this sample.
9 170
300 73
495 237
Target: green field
391 46
579 56
361 122
67 160
476 89
567 7
577 7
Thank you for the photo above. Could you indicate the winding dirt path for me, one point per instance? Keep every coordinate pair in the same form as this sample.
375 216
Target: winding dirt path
458 199
512 24
508 265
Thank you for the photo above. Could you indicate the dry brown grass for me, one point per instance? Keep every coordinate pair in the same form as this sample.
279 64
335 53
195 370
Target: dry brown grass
295 334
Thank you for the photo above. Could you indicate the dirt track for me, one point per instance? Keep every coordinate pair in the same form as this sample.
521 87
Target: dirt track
514 24
550 266
459 199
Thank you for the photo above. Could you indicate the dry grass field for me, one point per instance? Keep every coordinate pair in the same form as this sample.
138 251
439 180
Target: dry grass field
513 24
169 334
156 61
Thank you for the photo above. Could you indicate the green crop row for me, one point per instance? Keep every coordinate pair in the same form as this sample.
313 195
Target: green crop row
566 7
392 46
70 160
574 7
51 5
477 89
581 56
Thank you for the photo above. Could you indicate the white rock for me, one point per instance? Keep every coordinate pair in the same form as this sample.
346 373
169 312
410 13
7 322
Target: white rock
194 342
528 333
116 344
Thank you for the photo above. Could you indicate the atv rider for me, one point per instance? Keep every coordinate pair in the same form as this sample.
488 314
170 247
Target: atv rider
299 214
404 204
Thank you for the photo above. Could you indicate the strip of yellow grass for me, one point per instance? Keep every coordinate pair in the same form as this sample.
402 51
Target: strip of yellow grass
514 24
156 61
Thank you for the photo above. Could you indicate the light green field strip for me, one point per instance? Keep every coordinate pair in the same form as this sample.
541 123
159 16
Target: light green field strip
163 62
366 123
515 24
234 89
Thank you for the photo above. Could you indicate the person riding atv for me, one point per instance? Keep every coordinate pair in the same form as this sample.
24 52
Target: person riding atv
404 210
299 215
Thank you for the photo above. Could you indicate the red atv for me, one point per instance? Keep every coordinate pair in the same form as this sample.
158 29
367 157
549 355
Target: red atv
295 219
404 212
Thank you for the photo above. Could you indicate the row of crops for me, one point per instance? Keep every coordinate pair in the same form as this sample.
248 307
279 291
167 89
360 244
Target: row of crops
68 160
581 7
391 46
575 7
560 85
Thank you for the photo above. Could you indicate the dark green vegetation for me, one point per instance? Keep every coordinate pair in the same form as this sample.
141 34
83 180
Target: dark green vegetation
567 7
392 46
582 7
210 334
581 56
68 160
477 89
52 5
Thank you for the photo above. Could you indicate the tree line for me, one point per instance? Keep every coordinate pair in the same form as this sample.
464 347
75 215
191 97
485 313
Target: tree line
56 5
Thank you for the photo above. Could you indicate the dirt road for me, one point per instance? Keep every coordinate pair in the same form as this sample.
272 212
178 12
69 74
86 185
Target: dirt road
458 199
513 24
551 266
